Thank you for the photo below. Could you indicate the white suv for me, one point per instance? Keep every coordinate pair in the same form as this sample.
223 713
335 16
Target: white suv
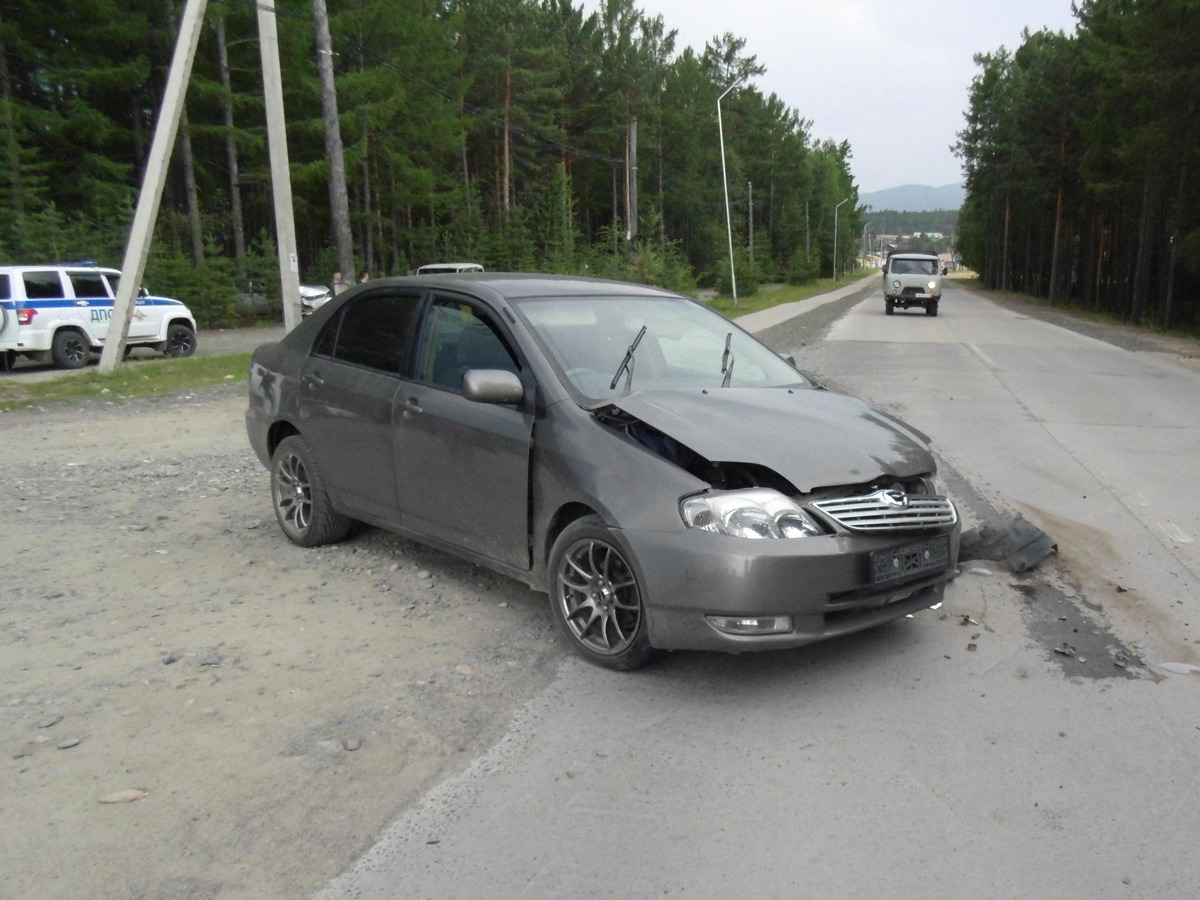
912 279
65 310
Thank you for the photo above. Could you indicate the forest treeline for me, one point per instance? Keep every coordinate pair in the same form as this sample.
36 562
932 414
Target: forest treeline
522 134
1080 153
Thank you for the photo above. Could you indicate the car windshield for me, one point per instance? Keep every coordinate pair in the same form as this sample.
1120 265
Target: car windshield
913 267
684 346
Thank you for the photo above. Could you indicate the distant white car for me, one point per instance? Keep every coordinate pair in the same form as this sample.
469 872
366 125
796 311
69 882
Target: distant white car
65 310
313 297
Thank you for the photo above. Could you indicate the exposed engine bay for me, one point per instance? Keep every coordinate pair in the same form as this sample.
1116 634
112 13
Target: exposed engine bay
725 475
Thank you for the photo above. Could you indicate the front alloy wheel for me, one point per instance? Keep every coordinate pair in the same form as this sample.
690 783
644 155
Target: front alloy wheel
596 599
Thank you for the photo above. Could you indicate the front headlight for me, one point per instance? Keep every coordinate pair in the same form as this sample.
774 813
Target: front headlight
933 285
896 285
755 513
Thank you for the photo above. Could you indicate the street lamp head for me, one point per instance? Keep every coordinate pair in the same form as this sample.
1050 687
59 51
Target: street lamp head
732 85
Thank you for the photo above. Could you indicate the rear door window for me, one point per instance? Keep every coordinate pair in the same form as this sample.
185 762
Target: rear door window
372 331
43 285
88 285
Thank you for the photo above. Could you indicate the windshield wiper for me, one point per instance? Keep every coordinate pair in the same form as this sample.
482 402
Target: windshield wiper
626 365
727 361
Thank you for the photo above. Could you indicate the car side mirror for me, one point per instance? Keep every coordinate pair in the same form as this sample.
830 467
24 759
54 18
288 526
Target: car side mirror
492 386
944 270
142 292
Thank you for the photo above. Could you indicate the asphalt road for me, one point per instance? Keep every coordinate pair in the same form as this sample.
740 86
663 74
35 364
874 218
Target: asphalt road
955 754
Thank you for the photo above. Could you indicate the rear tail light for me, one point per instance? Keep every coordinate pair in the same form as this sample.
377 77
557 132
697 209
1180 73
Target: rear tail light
25 316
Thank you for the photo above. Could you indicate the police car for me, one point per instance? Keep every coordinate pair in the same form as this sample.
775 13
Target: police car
65 309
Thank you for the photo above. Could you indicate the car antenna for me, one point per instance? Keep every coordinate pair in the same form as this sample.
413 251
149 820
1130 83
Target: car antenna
626 365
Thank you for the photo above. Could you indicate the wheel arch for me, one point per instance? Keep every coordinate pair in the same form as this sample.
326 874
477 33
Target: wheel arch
563 516
278 433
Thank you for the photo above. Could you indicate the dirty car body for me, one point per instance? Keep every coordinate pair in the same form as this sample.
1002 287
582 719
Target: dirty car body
668 480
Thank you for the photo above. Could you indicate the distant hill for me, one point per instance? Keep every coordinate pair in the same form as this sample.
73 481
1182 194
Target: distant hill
915 197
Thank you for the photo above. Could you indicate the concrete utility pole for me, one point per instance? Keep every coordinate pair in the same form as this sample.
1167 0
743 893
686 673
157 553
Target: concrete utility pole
281 181
165 132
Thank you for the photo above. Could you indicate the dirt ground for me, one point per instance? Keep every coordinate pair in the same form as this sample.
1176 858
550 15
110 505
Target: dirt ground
276 706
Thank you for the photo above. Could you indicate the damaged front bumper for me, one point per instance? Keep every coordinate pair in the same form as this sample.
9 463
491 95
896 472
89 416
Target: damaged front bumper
704 591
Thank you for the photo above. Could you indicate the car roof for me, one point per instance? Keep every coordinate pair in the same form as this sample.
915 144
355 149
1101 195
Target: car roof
523 285
913 256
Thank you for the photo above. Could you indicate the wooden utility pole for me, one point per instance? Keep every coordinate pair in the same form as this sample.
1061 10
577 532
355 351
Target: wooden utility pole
631 212
165 132
339 202
750 221
281 182
188 165
231 154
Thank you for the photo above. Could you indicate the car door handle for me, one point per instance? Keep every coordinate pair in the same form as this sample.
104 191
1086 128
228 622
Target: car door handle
412 408
314 382
82 303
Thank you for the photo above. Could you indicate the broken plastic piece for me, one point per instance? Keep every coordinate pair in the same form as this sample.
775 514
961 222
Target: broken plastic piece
1010 539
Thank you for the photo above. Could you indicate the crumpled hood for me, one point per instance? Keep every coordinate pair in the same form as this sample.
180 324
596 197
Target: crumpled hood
812 438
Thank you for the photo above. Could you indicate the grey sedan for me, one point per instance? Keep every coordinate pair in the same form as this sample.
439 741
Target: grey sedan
668 480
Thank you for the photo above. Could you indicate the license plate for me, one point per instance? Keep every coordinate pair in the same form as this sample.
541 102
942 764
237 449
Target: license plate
922 296
902 563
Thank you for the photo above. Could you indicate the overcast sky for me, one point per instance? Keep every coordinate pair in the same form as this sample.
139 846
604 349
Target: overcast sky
890 76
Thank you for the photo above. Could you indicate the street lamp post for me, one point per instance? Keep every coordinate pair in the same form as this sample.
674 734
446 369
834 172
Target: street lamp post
725 181
835 217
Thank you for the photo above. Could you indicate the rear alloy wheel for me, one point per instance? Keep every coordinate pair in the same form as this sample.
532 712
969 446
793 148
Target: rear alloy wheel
595 597
302 504
181 341
889 306
70 349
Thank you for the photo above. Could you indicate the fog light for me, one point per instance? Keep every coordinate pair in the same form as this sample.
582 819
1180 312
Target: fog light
751 624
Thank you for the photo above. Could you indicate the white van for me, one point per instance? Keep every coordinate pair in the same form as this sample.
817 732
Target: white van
912 279
65 310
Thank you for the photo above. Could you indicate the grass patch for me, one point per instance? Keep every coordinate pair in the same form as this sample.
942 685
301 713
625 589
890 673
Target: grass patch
771 295
133 379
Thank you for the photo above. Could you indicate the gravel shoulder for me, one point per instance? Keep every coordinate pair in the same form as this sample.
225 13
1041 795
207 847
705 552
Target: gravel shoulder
158 628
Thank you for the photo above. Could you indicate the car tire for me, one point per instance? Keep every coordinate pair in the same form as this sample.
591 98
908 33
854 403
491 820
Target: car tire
931 308
301 502
596 597
890 306
181 341
70 349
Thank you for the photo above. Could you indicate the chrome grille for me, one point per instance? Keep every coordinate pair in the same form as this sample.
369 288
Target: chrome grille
890 510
